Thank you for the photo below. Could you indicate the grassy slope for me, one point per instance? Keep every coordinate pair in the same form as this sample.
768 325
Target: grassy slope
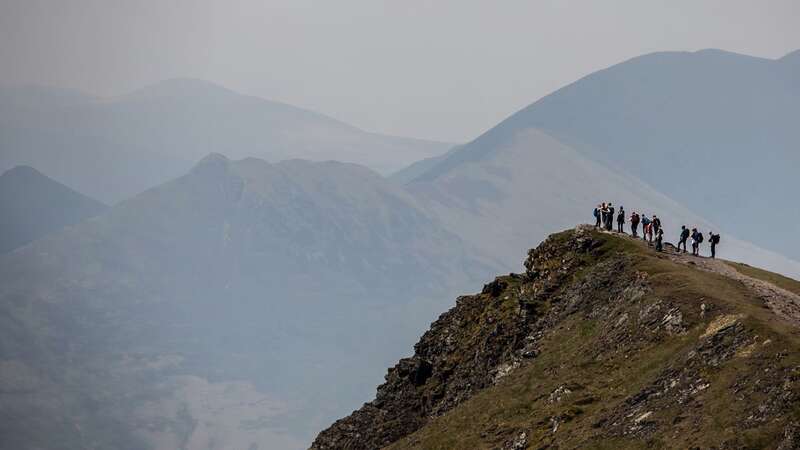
781 281
601 385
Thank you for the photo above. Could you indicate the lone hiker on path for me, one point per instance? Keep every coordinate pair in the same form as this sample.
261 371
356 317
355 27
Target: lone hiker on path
634 224
714 240
683 238
621 219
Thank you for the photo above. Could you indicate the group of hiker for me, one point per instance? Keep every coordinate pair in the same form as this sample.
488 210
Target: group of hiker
652 230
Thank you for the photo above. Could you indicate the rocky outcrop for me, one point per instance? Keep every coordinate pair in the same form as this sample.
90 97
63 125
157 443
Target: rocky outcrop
600 340
470 347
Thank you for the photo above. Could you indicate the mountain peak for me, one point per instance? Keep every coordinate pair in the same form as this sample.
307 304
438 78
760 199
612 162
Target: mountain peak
212 163
793 56
22 171
34 205
598 341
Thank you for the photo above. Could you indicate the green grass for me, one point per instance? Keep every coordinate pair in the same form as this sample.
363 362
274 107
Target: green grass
781 281
520 401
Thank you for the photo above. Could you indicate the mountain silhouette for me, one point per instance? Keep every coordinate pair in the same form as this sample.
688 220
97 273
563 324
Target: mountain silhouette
714 130
113 148
33 205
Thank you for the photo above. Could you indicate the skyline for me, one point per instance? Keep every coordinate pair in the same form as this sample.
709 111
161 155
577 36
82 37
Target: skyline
363 64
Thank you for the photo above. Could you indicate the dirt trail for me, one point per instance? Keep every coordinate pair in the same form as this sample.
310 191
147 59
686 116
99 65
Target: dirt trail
784 303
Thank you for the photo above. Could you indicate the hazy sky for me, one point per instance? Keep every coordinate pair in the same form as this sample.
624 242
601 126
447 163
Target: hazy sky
434 69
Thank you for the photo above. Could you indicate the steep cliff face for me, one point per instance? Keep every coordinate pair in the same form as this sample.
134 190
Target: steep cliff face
602 342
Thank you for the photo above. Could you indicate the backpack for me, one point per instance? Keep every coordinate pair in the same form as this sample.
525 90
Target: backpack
699 238
596 212
715 239
646 221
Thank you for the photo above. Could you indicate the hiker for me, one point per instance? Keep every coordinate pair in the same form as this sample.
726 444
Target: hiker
697 239
603 215
714 240
597 213
683 238
656 222
646 227
610 222
621 219
634 224
659 240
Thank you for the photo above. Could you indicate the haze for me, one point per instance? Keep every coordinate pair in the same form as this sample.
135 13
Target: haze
444 70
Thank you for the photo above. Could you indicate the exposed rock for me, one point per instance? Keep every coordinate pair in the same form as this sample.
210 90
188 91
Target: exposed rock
520 442
600 349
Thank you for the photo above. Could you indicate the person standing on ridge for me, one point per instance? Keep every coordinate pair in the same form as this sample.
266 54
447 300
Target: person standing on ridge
714 240
659 240
683 238
598 210
697 238
646 227
621 219
656 223
610 223
603 215
634 224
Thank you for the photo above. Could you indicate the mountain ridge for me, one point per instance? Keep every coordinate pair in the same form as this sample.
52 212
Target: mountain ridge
241 279
693 125
600 342
33 205
113 148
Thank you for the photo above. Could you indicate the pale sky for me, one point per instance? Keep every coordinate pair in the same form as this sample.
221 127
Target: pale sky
444 70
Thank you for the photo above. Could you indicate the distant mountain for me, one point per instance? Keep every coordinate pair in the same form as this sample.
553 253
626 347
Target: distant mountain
113 148
33 205
513 194
716 131
417 168
241 303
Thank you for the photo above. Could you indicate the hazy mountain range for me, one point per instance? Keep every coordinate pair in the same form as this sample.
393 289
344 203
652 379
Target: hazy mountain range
33 205
713 130
270 281
113 148
251 302
512 195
